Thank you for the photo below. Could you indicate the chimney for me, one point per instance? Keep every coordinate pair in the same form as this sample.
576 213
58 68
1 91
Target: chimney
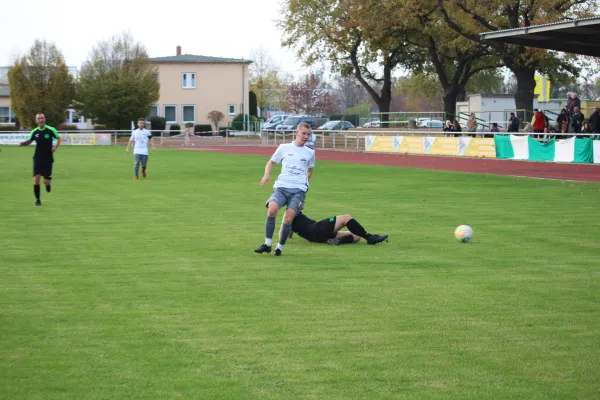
178 50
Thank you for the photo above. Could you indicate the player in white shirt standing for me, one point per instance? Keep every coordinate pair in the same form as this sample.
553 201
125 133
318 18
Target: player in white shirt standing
297 163
140 138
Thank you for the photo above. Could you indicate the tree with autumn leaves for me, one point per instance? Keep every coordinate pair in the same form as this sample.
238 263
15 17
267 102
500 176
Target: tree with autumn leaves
438 37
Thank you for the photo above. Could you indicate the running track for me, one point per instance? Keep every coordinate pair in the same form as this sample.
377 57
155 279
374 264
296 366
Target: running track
547 170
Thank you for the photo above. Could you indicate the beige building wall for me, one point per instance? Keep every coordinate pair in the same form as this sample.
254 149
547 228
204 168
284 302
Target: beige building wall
4 101
219 86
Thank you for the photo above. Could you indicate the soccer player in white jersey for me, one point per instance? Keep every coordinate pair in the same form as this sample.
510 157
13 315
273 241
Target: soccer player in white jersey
297 163
140 138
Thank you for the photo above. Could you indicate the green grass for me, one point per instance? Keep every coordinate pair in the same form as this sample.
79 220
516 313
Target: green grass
150 289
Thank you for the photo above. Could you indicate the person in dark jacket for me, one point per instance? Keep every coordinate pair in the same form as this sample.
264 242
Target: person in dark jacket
577 120
595 120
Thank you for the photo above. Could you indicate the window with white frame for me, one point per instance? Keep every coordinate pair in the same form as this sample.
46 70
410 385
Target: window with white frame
232 109
188 111
171 114
188 80
6 116
153 112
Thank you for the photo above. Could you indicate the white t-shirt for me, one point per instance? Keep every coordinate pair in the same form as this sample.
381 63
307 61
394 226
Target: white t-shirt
295 162
141 138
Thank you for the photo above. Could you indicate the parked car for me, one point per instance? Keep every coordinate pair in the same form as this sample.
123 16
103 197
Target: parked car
372 124
272 123
431 124
292 122
336 126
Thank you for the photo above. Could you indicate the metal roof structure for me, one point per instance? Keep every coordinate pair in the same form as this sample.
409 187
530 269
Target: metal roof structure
189 58
578 36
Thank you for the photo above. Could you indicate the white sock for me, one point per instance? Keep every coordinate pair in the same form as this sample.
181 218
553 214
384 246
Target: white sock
268 242
279 246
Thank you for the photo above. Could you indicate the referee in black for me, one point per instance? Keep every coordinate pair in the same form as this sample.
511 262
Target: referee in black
43 157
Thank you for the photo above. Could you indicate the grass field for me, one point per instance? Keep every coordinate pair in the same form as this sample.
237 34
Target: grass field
150 289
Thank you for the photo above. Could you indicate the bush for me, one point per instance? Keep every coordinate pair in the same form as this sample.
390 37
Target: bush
189 125
158 123
174 129
8 128
222 132
238 121
203 129
100 127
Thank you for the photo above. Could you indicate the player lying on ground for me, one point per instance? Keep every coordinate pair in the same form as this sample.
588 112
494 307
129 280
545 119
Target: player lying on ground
328 230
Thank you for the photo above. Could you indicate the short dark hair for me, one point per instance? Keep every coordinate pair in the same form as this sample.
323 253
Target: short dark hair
142 119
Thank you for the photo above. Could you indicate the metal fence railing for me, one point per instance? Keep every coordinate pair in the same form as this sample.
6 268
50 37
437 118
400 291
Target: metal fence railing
352 140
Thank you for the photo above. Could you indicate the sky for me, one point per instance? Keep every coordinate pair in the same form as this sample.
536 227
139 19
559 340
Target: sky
222 28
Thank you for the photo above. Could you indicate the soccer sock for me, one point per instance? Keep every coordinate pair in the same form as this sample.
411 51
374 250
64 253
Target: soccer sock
48 188
269 229
36 191
136 170
285 233
357 229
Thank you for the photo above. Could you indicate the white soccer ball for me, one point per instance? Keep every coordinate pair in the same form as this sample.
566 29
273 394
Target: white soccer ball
463 233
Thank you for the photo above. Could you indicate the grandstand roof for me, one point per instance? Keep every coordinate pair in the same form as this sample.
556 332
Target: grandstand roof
578 36
189 58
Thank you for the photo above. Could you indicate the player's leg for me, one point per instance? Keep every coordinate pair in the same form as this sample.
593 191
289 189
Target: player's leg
344 237
137 160
357 229
48 178
295 203
144 162
36 181
272 204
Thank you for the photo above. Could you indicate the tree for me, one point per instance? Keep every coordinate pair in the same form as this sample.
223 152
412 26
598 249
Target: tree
469 18
215 117
264 78
118 84
252 105
308 97
445 53
332 31
40 82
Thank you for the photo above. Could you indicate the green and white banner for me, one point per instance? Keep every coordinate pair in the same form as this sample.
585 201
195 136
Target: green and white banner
576 150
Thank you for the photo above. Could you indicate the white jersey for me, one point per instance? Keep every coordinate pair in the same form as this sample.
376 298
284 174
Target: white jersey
295 162
141 137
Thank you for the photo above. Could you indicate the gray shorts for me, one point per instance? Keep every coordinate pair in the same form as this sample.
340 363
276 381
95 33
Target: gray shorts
292 198
140 159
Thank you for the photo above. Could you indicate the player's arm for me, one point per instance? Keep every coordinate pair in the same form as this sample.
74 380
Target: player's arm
58 141
267 176
28 141
152 141
131 141
309 173
277 157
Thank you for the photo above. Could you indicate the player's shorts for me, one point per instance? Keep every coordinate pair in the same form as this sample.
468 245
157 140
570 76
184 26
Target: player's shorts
140 159
292 198
43 167
323 230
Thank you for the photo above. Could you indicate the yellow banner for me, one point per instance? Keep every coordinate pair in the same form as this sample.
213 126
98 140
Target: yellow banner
481 147
444 146
79 139
383 144
411 145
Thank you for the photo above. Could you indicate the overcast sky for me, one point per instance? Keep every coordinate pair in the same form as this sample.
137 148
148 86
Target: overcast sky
220 28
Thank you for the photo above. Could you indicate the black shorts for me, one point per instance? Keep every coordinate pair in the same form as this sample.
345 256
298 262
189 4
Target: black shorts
323 230
43 167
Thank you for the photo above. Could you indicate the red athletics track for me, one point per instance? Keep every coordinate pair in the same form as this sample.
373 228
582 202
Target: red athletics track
548 170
